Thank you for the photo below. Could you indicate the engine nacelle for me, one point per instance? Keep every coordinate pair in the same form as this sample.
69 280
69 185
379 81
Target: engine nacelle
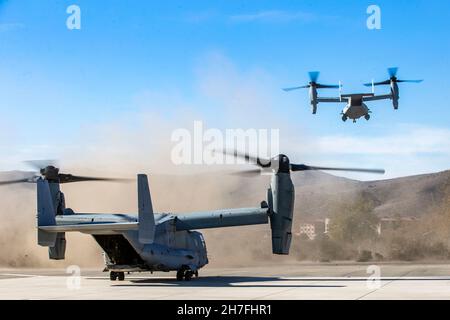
313 98
281 202
58 251
395 94
314 107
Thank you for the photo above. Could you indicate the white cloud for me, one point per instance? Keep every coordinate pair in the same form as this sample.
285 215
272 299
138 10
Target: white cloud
414 140
406 150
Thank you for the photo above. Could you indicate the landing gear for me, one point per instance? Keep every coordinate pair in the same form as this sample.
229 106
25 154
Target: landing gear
186 274
113 276
344 118
367 117
180 274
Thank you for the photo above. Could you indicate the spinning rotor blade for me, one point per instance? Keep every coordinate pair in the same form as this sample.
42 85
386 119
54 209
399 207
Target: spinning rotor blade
382 83
392 78
68 178
3 183
393 72
248 173
314 76
388 82
410 81
47 170
302 167
38 165
263 163
295 88
19 177
327 86
241 155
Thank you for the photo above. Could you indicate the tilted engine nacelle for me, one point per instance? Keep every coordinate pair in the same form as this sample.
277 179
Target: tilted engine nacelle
281 203
51 203
314 106
313 98
395 94
58 251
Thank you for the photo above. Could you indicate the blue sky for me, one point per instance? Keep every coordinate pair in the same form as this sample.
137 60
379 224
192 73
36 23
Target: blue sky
168 58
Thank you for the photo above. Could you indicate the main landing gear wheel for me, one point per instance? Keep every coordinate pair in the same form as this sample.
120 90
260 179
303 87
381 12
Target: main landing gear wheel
344 118
180 274
367 117
188 275
113 276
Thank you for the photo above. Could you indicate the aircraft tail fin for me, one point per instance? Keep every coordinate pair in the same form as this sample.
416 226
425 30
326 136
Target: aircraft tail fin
146 228
45 214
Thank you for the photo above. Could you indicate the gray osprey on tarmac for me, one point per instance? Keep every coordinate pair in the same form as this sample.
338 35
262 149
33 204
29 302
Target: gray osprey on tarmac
149 241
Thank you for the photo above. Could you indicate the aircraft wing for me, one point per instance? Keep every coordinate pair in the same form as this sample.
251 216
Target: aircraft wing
336 100
91 227
380 97
110 223
221 218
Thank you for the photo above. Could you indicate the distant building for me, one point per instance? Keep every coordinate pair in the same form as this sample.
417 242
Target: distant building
314 228
393 223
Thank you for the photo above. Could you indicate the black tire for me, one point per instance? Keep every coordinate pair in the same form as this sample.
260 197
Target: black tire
196 274
113 276
188 275
180 274
344 118
121 276
367 117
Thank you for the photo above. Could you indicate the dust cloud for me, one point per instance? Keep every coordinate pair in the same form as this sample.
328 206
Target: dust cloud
170 194
139 141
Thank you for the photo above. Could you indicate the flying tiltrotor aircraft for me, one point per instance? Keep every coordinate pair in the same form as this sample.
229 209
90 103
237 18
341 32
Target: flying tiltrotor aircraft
355 107
149 241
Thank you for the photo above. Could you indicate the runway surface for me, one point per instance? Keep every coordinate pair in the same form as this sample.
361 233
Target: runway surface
295 281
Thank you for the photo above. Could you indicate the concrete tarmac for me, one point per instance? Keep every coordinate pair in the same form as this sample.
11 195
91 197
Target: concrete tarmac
293 281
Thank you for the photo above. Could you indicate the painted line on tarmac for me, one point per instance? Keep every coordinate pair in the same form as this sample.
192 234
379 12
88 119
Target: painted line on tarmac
20 275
